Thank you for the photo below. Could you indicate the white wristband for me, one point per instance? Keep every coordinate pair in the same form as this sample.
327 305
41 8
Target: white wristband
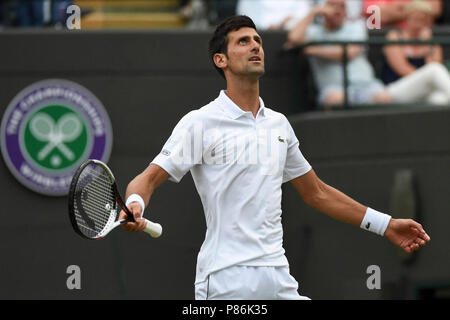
136 198
375 221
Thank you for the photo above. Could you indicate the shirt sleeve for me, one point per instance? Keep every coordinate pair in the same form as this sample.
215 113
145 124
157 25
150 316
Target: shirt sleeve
357 31
313 32
182 150
296 165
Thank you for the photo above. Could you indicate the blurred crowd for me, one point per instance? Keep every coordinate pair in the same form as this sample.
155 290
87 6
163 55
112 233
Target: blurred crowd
267 14
33 13
283 14
409 73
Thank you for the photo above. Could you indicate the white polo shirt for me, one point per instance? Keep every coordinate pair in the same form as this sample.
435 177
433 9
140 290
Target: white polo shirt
238 163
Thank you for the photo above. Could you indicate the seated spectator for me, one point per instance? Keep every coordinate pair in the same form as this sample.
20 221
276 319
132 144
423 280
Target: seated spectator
353 7
202 13
270 14
219 10
41 13
415 72
196 11
32 13
326 62
393 12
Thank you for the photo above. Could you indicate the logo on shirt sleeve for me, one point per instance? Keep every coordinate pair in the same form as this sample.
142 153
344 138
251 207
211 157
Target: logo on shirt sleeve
165 152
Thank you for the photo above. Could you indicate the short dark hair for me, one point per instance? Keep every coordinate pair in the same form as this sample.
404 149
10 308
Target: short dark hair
219 41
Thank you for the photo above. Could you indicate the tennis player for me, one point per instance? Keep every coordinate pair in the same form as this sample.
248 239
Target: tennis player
239 153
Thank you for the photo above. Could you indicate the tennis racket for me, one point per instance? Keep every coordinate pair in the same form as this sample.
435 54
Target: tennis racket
93 200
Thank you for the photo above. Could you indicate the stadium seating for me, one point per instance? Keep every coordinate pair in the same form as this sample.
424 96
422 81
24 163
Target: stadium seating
132 14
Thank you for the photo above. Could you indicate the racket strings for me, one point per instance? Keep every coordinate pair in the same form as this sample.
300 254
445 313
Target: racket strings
94 200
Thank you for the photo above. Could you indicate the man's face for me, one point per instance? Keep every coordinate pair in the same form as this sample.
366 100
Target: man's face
339 13
245 53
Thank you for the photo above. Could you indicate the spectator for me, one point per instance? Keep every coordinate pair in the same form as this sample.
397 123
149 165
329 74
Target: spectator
270 14
354 8
412 72
39 13
393 12
203 13
59 12
326 60
220 9
33 13
3 12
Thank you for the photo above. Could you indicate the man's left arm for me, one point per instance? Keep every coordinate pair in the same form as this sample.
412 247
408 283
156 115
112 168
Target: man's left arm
405 233
355 31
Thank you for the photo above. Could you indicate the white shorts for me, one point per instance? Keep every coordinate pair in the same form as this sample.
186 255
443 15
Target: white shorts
249 283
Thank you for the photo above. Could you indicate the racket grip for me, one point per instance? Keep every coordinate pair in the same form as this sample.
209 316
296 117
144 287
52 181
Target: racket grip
153 229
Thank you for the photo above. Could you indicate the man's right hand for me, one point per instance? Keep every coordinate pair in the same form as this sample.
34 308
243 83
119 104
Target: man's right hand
136 210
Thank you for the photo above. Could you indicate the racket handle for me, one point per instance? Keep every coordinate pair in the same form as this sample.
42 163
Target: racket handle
153 229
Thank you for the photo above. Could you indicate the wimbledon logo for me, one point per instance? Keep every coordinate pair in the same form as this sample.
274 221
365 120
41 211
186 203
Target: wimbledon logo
49 129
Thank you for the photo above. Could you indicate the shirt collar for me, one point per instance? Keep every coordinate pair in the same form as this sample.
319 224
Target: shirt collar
233 110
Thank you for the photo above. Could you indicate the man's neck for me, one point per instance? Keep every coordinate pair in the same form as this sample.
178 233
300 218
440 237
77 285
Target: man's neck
245 94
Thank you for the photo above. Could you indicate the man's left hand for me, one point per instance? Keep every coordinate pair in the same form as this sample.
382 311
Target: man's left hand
406 234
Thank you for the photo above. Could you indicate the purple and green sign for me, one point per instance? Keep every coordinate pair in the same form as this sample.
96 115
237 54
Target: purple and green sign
49 129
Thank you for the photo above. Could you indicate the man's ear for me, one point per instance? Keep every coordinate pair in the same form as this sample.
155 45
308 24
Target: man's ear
220 60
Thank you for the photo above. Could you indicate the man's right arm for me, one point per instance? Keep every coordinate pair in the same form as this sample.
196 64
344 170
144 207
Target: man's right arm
146 182
144 185
297 35
167 164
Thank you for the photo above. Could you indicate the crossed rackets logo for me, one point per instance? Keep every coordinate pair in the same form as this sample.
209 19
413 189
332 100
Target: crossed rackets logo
48 129
66 129
50 138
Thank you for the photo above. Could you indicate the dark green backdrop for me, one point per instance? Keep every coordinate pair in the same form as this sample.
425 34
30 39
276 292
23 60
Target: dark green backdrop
147 81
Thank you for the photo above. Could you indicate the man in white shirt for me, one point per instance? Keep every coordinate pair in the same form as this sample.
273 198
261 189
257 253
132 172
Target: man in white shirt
239 153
